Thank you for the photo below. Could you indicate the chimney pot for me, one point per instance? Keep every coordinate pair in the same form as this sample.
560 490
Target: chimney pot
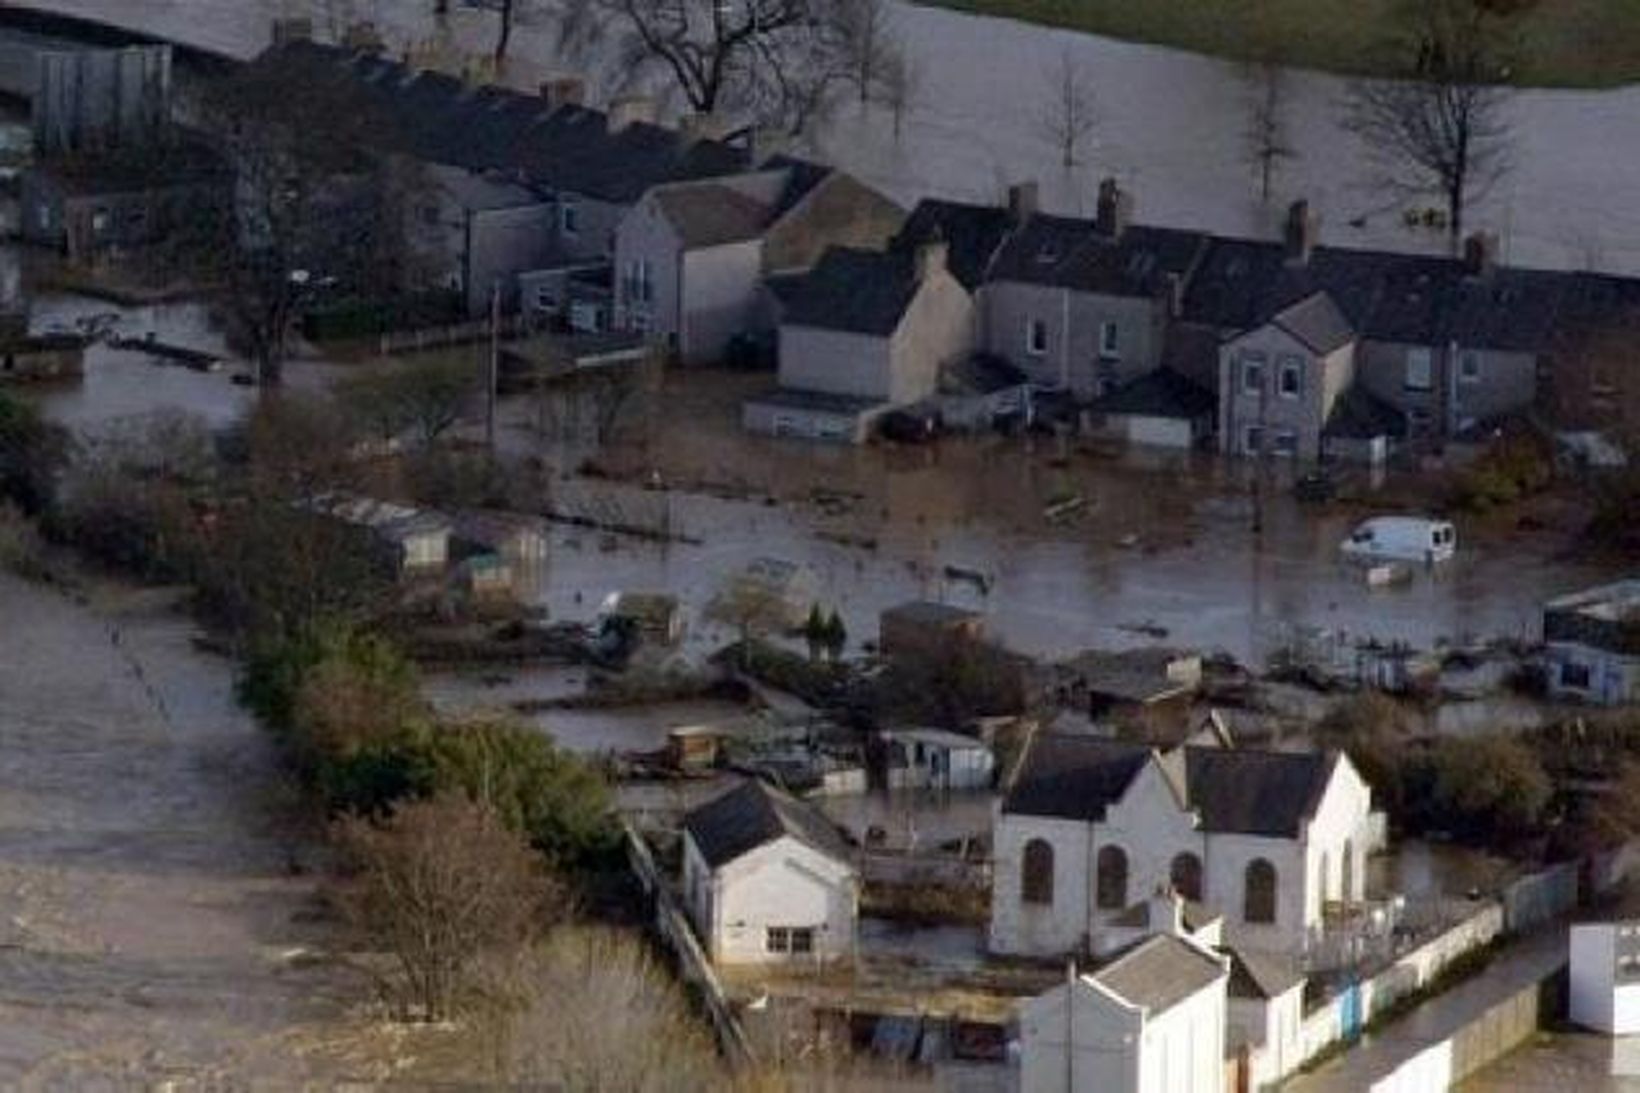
1480 253
630 110
1023 200
1302 231
1114 210
286 31
563 91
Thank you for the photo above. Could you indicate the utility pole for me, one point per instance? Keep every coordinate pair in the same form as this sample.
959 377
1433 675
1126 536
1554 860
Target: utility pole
495 365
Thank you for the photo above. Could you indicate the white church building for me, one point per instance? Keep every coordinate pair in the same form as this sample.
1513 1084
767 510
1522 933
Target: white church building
1089 827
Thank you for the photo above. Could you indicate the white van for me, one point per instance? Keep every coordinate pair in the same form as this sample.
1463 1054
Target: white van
1403 538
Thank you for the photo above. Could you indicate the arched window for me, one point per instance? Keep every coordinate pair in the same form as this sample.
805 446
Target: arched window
1325 887
1185 874
1036 873
1259 900
1346 886
1113 878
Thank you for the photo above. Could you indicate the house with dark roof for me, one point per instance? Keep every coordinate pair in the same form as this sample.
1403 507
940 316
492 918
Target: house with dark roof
1159 409
862 333
1265 1016
1151 1020
1281 379
1088 824
1083 305
768 879
588 166
691 257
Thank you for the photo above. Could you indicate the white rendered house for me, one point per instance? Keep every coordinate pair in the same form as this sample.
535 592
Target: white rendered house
768 879
1151 1021
1090 826
1605 977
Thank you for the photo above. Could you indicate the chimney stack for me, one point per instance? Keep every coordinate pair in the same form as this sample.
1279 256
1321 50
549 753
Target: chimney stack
933 254
630 110
1115 209
1022 202
363 37
1301 234
698 127
1166 911
563 91
286 31
1480 254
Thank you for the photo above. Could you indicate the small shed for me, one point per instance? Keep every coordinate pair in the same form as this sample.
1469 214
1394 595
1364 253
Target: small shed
1162 409
486 578
922 626
794 586
923 758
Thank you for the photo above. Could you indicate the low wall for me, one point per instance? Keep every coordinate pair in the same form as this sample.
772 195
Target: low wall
1491 1035
1342 1015
1540 897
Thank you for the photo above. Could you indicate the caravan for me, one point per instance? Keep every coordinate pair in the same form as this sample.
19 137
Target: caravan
1401 538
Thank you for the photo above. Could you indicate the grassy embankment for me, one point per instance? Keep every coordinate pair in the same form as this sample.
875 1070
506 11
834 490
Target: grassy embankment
1572 43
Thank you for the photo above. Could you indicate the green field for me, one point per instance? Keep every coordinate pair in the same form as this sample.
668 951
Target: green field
1570 43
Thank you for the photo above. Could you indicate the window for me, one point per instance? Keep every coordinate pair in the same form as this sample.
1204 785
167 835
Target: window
802 940
44 217
1036 874
1574 676
1108 345
1259 897
1185 874
99 221
796 940
1420 375
1252 373
545 300
1252 441
1036 337
1290 383
1285 443
569 216
1113 878
1469 367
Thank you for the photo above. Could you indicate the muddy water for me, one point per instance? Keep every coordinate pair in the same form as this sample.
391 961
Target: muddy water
147 918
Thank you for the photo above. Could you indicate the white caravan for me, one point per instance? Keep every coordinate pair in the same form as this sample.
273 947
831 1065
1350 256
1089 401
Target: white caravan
1402 538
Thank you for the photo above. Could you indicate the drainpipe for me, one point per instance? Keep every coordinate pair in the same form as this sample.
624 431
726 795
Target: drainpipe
1065 339
1450 417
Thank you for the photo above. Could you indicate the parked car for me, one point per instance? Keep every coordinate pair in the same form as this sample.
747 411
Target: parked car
1401 538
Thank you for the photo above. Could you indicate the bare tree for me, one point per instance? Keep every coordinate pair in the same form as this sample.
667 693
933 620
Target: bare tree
425 396
1069 111
1268 144
1443 128
753 608
628 1029
439 885
900 79
868 44
774 61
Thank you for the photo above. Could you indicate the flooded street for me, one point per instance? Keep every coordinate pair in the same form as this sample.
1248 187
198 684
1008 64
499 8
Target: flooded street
1169 124
149 929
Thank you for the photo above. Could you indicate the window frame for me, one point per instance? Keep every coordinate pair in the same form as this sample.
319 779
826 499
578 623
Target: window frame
1036 876
1110 345
1250 368
1425 366
1290 365
1469 366
1036 337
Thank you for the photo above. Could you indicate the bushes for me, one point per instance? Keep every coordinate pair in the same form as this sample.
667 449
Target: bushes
349 710
32 453
1514 467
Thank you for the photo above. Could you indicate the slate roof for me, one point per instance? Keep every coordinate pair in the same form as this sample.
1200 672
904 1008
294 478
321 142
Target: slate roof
1067 252
1159 973
755 814
1234 790
1256 973
440 119
973 233
710 214
1073 777
1317 323
1268 793
1360 415
856 291
1407 298
802 177
1162 393
982 374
